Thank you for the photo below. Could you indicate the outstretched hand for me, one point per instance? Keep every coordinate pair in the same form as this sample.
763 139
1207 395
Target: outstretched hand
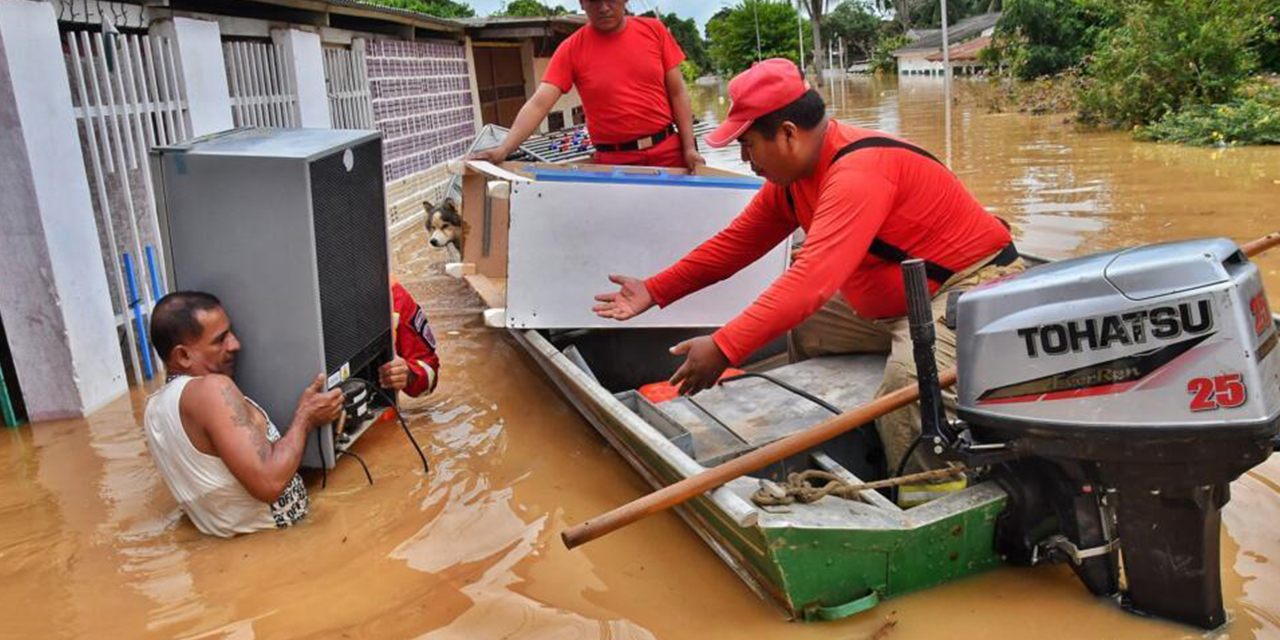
704 363
631 300
496 155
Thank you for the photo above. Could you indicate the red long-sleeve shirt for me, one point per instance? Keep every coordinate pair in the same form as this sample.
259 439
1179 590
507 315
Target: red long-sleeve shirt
415 342
901 197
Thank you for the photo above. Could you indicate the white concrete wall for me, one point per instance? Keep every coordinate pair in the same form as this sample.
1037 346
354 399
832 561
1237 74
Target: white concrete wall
201 70
566 103
54 297
916 63
307 60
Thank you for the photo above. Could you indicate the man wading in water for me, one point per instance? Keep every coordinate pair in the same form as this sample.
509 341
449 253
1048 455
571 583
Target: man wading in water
866 202
627 70
223 460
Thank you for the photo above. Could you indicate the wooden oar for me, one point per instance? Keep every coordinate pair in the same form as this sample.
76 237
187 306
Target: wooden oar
1260 245
696 485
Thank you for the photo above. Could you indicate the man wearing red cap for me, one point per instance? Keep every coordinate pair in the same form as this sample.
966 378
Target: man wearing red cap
627 70
866 201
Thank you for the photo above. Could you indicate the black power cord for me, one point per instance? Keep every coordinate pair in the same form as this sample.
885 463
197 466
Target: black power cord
324 468
362 464
391 403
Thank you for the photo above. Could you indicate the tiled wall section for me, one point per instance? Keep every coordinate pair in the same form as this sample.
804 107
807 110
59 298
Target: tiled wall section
406 197
422 104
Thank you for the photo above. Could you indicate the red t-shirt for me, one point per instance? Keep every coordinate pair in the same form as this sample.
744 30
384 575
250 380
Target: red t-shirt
621 77
897 195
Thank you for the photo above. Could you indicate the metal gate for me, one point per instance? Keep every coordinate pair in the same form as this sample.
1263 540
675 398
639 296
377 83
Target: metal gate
127 99
262 87
347 78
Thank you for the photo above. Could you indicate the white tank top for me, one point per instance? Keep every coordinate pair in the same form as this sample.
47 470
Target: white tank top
202 484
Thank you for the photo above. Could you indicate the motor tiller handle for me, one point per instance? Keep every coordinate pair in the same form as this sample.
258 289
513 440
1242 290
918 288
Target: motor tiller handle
934 428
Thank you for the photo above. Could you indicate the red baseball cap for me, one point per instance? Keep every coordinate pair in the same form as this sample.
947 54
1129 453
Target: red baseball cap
764 88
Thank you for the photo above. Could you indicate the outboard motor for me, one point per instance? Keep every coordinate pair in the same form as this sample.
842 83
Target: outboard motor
1115 397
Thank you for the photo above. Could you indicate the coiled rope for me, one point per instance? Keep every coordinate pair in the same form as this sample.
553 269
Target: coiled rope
800 487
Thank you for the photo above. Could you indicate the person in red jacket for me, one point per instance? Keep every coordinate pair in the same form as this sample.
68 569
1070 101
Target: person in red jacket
866 201
416 367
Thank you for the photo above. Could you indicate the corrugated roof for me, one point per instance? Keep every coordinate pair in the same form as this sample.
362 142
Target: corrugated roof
496 21
404 15
366 8
965 51
959 32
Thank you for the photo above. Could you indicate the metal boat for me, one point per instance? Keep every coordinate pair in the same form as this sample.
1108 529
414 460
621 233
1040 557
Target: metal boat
823 560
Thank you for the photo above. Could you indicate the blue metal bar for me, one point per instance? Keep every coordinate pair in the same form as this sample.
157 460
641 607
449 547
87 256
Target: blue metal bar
135 303
156 293
662 178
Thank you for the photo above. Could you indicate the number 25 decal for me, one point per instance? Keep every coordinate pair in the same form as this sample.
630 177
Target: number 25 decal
1224 391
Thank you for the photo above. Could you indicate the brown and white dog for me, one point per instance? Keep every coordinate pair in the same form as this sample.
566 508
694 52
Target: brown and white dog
445 225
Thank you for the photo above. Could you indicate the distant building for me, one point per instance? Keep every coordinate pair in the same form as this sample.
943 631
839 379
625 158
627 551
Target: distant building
967 39
859 66
964 57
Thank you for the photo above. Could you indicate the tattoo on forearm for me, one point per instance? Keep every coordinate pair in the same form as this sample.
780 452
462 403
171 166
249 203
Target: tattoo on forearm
241 417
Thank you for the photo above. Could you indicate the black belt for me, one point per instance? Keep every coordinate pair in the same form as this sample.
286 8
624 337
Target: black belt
639 143
890 253
933 270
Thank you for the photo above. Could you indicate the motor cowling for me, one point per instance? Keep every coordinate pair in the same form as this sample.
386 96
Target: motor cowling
1132 387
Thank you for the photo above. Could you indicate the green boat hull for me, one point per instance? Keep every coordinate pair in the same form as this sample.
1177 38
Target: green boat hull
825 560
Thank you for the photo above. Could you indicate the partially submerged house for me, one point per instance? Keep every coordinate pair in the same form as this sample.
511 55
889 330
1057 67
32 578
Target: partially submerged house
964 58
965 38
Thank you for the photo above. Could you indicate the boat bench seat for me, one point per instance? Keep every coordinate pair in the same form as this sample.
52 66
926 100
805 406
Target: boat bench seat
738 416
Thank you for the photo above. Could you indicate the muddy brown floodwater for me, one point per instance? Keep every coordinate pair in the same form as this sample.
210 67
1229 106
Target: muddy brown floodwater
91 544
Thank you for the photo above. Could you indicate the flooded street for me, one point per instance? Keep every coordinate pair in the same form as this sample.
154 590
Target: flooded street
92 545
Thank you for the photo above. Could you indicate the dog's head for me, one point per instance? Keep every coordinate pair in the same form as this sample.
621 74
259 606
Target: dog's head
445 225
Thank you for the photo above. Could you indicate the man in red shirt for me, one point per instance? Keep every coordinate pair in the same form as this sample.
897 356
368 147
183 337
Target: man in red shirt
866 201
416 367
627 70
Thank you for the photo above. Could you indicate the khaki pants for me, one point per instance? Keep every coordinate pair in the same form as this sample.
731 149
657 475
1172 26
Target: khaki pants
836 329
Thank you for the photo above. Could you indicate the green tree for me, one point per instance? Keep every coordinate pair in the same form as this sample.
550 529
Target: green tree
732 34
1267 42
1040 37
529 9
685 32
853 22
438 8
1171 54
817 10
882 59
927 14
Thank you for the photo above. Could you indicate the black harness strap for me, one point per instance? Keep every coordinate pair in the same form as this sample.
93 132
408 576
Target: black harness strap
879 248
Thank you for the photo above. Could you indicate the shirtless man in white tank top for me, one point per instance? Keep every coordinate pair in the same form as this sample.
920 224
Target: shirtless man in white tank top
225 463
